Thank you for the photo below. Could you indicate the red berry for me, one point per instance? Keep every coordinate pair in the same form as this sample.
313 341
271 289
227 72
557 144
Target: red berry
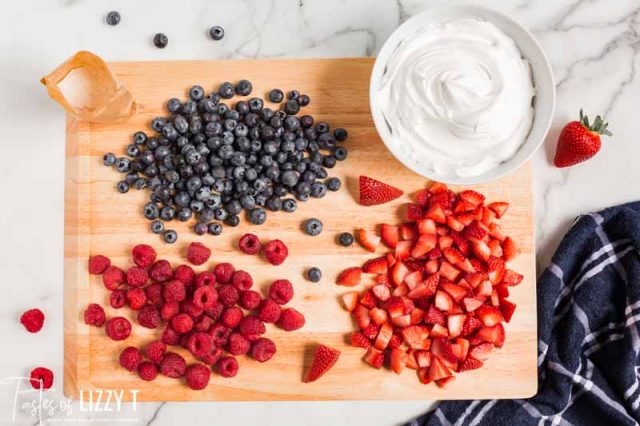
136 298
169 310
173 365
118 328
251 327
33 319
205 297
154 294
149 316
215 311
249 244
228 295
137 276
250 299
161 271
154 351
130 358
203 323
238 344
143 255
182 323
174 291
94 315
223 272
41 378
231 317
197 376
170 336
197 253
276 252
147 371
269 311
373 192
185 274
205 278
98 264
281 291
227 366
263 349
192 310
200 344
118 299
213 357
220 334
113 277
290 320
242 280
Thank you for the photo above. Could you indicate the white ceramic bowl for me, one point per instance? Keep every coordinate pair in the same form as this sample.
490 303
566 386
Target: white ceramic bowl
544 100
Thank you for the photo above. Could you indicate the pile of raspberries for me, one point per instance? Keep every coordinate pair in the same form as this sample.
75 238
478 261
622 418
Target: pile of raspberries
212 313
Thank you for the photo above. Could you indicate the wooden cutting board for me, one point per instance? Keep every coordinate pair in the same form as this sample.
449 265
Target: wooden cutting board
98 220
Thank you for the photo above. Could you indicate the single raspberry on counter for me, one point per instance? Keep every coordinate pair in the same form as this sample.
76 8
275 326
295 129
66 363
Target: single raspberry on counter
33 319
215 311
155 350
263 349
205 278
205 297
290 320
281 291
41 378
130 358
137 276
149 317
118 298
251 327
276 252
250 299
228 295
173 365
170 336
147 371
249 244
113 277
203 323
213 357
136 298
238 344
227 366
223 272
182 323
169 310
200 344
94 315
186 274
118 328
220 334
269 311
197 253
98 264
242 280
143 255
231 317
174 291
197 376
154 294
192 310
161 271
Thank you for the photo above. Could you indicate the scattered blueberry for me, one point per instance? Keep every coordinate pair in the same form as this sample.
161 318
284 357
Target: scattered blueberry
313 227
160 40
196 93
113 18
216 33
232 220
200 228
346 239
123 187
226 90
340 153
157 227
314 274
109 159
333 184
292 107
244 88
276 96
304 100
289 205
340 134
170 236
318 190
258 216
215 228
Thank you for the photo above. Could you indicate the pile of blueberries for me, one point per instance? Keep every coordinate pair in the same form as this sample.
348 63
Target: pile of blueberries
213 161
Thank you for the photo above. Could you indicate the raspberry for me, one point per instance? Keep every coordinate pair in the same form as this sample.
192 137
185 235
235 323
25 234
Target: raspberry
137 276
182 323
169 336
242 280
130 358
220 334
192 310
161 271
223 272
118 299
213 357
41 378
249 244
200 344
118 328
205 297
147 371
215 311
251 327
184 340
173 365
185 274
154 351
154 294
238 344
269 311
205 278
197 376
98 264
250 299
169 310
113 277
276 252
281 291
143 255
197 253
231 317
93 315
149 317
290 320
228 295
227 366
263 349
137 298
33 319
174 291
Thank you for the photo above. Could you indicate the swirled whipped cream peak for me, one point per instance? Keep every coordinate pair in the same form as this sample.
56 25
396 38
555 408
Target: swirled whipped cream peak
458 95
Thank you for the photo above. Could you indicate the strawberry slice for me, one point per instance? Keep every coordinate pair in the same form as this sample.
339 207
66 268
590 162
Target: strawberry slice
442 383
438 331
368 239
413 279
408 231
438 187
488 216
399 272
361 316
401 321
453 256
435 316
374 358
481 352
489 315
371 331
434 254
471 324
374 192
414 212
350 300
511 278
475 231
391 260
443 301
416 336
368 300
397 360
454 324
469 364
384 335
509 249
378 316
499 208
401 290
471 303
456 292
484 289
375 266
382 279
417 316
460 347
423 358
436 214
495 231
441 348
478 265
403 249
411 360
381 292
495 247
390 235
359 340
349 277
431 267
480 249
507 309
426 226
454 224
422 197
448 271
493 334
324 358
394 306
502 290
495 269
472 197
425 243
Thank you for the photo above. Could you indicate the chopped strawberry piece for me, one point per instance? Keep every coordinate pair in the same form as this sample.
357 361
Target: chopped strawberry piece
414 212
423 358
416 336
489 315
446 381
445 242
371 331
435 316
413 279
448 271
442 230
436 214
375 266
442 199
478 265
438 187
511 278
425 243
368 239
454 224
381 292
495 269
349 277
378 316
441 347
384 335
460 347
437 370
431 267
495 247
401 290
390 235
401 321
475 231
433 254
481 351
480 249
456 292
403 249
502 290
395 341
361 316
415 264
350 300
438 331
507 309
359 340
394 306
471 324
368 300
411 360
469 364
417 316
374 358
472 197
324 358
493 334
443 301
422 197
484 289
471 303
509 249
373 192
391 260
488 216
382 279
454 324
496 232
408 231
499 208
398 272
397 360
426 226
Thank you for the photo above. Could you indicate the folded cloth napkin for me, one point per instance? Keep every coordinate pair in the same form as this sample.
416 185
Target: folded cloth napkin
588 313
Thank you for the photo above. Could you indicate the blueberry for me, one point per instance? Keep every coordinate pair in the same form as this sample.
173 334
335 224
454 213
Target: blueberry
322 127
303 188
322 173
140 183
157 227
292 107
226 90
196 93
206 215
232 220
329 161
340 153
190 107
196 206
200 228
293 95
304 100
256 104
333 184
276 96
247 202
158 123
216 33
258 216
220 214
244 88
160 40
139 138
340 134
314 274
274 204
313 227
170 236
113 18
133 150
306 121
123 164
122 187
289 205
345 239
318 190
215 228
233 207
109 159
184 214
167 213
289 178
174 105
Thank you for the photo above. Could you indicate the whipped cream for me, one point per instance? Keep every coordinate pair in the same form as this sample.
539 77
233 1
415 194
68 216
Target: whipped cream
458 95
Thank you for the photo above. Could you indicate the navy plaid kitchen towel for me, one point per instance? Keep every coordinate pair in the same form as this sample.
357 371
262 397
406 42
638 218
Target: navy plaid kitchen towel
588 313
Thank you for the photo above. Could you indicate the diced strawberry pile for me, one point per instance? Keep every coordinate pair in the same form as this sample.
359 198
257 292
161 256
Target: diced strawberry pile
440 297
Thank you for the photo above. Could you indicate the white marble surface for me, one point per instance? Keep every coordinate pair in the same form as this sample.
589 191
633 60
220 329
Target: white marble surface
593 46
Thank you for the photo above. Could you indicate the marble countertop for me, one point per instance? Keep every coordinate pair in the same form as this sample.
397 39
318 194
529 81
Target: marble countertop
593 48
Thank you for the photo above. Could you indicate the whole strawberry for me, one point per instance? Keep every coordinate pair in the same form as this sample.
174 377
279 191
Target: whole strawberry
579 141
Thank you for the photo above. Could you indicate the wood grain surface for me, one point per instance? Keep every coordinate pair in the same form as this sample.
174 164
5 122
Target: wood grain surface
98 220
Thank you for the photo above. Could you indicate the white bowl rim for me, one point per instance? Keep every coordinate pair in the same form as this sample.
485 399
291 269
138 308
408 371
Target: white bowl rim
462 9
